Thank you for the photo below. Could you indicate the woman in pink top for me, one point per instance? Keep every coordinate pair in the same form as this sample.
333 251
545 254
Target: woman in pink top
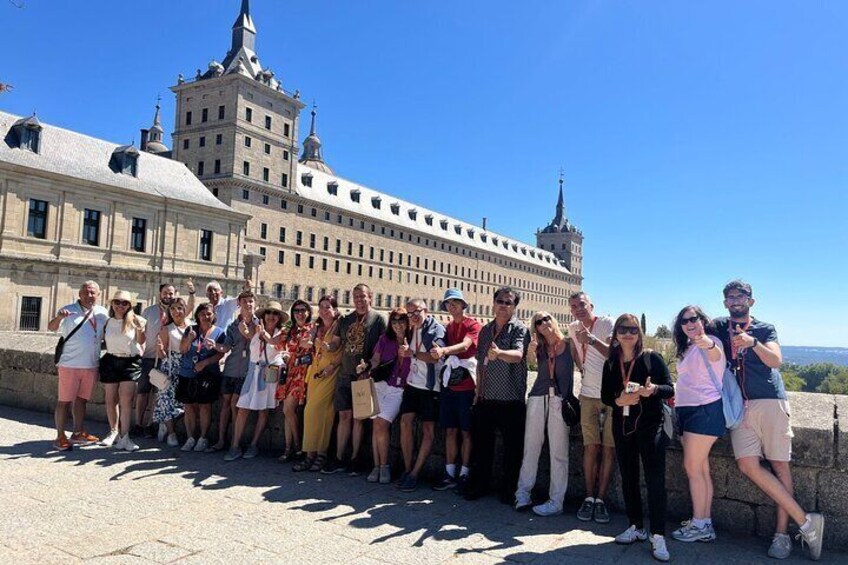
699 412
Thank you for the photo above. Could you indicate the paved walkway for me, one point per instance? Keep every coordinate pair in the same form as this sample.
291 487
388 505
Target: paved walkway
161 505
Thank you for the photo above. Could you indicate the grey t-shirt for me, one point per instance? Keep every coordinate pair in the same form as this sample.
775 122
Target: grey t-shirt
238 361
563 368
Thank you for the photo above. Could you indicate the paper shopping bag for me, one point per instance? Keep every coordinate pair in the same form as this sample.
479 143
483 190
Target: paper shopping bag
365 402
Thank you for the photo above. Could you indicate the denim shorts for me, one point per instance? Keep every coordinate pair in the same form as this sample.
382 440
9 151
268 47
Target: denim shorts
706 420
455 409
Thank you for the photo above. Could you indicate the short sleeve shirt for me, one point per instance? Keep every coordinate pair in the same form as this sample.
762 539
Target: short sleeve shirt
156 318
199 352
504 381
695 386
592 360
456 332
757 380
226 311
359 337
237 362
82 351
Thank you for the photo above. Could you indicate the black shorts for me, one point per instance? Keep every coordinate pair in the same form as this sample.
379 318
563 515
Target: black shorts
423 403
231 385
200 389
455 409
144 386
343 396
115 370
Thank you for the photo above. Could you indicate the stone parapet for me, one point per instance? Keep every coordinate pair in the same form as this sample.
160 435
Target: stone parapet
820 453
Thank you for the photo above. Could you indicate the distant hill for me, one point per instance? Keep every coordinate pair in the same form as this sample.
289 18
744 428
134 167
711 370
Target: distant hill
808 355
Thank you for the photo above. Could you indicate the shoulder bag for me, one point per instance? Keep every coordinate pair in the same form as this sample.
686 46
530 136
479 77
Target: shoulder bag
570 403
731 395
60 347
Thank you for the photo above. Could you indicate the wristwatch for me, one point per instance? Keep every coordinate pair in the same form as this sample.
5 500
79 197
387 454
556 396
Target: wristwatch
756 341
592 340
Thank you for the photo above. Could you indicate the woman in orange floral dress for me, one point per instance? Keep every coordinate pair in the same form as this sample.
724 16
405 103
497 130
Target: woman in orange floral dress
292 393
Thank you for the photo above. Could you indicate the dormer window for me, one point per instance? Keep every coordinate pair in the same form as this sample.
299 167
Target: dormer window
494 240
444 224
428 219
28 133
413 214
395 208
484 237
125 160
333 188
470 232
306 179
506 245
375 202
458 229
354 195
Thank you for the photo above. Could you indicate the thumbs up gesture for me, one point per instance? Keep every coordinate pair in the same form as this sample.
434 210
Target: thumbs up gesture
190 285
703 342
648 389
403 350
192 335
362 367
742 340
493 353
436 352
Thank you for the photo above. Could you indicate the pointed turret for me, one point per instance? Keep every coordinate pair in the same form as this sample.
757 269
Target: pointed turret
560 222
312 155
244 33
243 49
154 143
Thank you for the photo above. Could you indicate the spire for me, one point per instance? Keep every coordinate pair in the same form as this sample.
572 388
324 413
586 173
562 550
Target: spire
312 154
560 220
154 144
244 33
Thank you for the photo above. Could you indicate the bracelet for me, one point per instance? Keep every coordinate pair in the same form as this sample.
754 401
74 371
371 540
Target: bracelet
713 346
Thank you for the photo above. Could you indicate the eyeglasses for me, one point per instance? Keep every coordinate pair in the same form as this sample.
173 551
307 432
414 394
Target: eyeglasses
542 320
736 298
692 320
120 303
624 330
300 310
416 312
505 302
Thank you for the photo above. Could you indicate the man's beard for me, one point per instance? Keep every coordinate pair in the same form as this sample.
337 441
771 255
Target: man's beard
740 313
166 301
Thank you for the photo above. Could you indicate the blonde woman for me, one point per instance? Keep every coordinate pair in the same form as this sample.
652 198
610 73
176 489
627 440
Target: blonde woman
120 368
554 356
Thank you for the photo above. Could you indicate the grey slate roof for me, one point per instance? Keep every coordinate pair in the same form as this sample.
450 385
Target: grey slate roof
86 158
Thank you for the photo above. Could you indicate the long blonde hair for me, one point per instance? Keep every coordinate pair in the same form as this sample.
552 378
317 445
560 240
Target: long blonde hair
128 319
540 338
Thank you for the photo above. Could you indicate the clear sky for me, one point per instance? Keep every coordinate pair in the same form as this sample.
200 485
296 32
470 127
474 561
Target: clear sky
700 141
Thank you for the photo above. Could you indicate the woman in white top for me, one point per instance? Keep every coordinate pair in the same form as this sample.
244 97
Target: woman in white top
168 408
267 366
120 367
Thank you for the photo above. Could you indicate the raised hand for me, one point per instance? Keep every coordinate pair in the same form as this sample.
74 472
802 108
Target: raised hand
582 334
190 285
404 350
437 352
493 352
648 389
703 342
362 367
742 340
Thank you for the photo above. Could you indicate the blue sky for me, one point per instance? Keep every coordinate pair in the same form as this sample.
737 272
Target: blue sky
700 141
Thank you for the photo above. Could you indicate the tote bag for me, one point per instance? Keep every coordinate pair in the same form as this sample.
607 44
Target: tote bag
365 402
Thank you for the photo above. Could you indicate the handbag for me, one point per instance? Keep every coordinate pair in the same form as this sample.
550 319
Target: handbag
365 403
383 371
159 379
570 403
60 347
732 402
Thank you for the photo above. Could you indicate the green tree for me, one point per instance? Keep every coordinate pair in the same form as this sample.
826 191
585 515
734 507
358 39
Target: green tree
644 324
663 332
835 383
791 379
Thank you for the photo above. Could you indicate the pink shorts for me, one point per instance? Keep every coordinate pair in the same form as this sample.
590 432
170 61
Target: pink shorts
76 383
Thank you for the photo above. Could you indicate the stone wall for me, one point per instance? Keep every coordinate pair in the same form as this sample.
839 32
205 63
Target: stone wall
820 451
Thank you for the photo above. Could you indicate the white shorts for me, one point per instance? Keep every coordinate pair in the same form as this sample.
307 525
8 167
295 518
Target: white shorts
389 398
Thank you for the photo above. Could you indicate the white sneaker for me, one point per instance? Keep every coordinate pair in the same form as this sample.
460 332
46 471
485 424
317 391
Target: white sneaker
128 444
189 444
659 550
549 508
631 535
811 533
163 432
781 546
119 443
202 444
110 439
374 475
173 440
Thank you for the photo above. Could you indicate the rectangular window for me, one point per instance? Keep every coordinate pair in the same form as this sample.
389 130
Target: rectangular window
299 238
311 262
349 248
188 118
248 114
297 259
282 235
200 165
245 168
281 257
37 220
285 181
347 269
217 166
30 314
361 250
265 199
323 264
247 141
312 240
204 115
220 112
284 204
286 130
346 297
245 194
185 143
267 122
206 245
359 270
379 300
338 246
295 291
285 155
278 290
139 234
219 139
263 231
326 243
266 174
263 251
338 264
91 227
267 148
310 293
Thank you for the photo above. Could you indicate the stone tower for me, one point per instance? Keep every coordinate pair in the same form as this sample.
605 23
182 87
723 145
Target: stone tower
562 238
235 126
312 153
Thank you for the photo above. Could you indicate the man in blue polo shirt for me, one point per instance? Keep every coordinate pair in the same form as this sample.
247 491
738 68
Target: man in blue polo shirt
753 351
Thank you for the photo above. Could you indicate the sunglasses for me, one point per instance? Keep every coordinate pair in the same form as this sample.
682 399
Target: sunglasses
398 320
505 302
692 320
542 320
300 310
416 312
120 303
624 330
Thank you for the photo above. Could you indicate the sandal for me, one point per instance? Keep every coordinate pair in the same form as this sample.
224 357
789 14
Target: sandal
304 465
286 456
318 464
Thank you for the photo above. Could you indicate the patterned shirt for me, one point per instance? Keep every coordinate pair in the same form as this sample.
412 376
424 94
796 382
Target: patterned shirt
501 380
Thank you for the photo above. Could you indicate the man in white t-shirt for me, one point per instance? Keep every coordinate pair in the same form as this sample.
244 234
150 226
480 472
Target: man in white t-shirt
591 336
225 308
81 325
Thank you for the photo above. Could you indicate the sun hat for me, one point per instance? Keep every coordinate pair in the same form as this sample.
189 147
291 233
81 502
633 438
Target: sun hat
452 294
122 295
274 306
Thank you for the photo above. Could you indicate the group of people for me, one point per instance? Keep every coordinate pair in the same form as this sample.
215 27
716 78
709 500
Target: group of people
469 378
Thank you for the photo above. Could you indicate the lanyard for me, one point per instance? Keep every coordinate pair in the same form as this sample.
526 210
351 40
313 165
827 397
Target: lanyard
734 353
202 340
584 347
739 357
551 359
625 375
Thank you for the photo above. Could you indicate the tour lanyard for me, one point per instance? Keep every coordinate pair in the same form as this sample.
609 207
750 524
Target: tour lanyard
415 347
625 375
201 341
739 357
584 347
552 385
319 351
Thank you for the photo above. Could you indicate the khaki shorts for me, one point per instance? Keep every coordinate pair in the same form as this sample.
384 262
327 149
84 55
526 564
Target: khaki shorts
590 422
766 431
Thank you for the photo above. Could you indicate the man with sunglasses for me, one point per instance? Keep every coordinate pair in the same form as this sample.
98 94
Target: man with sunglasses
501 391
754 354
592 335
421 393
81 325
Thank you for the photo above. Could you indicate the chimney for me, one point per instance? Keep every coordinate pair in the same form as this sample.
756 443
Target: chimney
145 135
484 223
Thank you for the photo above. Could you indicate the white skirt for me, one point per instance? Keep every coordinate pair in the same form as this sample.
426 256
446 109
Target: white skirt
256 394
389 398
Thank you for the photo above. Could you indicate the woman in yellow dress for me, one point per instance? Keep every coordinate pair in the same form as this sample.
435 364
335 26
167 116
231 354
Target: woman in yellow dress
319 414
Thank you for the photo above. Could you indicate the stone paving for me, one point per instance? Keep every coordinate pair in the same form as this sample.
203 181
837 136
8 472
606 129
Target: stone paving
159 505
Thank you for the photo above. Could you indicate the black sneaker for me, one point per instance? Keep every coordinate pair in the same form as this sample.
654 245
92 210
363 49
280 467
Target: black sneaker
136 431
461 485
601 513
353 468
446 483
151 430
332 467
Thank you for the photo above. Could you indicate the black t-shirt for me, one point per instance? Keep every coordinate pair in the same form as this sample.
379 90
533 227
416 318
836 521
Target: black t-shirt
359 337
649 410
